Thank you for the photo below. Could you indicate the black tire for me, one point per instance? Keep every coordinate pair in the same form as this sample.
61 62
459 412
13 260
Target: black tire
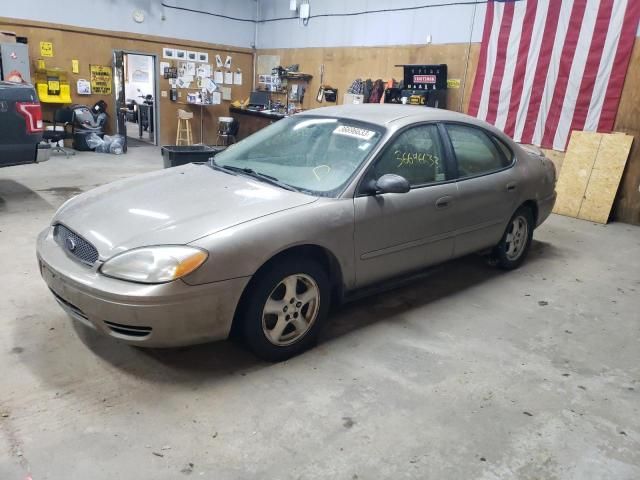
501 253
263 287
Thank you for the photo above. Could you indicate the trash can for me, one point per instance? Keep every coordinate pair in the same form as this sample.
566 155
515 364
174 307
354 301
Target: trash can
174 155
44 152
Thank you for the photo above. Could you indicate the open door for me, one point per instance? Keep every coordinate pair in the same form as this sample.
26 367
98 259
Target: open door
119 89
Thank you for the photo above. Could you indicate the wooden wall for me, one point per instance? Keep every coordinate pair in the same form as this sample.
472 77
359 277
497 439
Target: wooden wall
343 65
627 205
96 47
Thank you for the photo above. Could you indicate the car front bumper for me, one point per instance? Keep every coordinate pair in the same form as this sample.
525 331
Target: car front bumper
165 315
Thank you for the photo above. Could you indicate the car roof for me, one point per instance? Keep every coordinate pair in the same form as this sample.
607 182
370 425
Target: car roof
385 114
4 84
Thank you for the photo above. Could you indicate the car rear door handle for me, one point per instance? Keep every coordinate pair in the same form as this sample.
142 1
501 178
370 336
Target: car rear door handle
444 202
512 187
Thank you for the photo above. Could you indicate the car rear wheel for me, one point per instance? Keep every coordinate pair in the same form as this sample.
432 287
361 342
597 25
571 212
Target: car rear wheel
285 309
515 243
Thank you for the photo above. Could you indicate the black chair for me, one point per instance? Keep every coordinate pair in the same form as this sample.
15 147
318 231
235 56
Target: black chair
228 128
62 117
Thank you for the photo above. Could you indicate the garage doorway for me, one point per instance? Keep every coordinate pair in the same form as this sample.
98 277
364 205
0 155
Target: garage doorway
136 95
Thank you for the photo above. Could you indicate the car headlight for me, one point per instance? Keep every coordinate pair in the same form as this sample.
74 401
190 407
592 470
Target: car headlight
154 264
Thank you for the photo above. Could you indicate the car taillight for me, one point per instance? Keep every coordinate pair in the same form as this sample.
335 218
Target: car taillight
32 113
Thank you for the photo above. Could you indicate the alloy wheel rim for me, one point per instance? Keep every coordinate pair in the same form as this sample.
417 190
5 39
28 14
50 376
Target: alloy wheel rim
291 309
516 239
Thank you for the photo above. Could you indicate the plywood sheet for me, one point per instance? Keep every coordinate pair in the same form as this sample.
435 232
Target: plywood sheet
590 175
605 177
576 169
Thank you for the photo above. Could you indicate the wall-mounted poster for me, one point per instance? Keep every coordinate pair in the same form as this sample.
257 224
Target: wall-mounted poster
203 57
138 68
101 79
168 52
46 49
218 61
227 62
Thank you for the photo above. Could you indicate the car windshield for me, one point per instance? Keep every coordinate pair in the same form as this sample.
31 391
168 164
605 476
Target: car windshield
316 155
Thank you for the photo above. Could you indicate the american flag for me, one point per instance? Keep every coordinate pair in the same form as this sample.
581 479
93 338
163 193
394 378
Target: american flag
549 67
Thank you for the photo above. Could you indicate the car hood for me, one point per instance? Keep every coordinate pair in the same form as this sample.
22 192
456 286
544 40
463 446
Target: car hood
173 206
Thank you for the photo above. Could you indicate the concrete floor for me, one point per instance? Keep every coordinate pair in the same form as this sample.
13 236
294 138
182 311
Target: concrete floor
472 373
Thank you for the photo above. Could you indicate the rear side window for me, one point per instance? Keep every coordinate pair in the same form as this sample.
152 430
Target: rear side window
476 152
506 151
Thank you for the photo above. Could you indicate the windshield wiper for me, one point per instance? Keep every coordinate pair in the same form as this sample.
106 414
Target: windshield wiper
261 176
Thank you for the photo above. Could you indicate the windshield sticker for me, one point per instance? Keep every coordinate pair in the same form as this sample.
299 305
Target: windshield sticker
354 132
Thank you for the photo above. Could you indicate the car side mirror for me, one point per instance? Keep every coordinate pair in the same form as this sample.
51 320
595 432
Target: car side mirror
392 183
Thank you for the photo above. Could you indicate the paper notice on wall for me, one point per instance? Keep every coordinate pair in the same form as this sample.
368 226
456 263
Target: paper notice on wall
184 82
237 78
216 98
46 49
190 68
164 65
204 70
84 87
209 85
226 93
218 61
218 77
228 78
101 79
227 62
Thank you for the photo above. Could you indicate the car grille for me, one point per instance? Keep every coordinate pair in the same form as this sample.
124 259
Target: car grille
75 245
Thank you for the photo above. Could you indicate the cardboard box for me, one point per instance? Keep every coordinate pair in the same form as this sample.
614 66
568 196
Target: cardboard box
350 98
7 37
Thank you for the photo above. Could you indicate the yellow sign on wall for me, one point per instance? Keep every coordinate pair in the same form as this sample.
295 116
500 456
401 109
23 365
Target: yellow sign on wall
46 49
453 83
75 66
101 79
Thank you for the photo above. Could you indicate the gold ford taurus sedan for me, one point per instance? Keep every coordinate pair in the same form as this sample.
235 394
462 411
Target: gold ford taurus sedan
268 234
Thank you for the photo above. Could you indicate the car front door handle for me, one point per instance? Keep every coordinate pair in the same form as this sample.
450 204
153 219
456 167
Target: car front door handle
444 202
511 187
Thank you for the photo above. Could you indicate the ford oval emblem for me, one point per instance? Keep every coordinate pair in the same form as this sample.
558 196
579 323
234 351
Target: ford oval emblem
70 243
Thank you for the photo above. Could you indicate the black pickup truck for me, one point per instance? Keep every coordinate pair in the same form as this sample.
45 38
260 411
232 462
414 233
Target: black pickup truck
20 124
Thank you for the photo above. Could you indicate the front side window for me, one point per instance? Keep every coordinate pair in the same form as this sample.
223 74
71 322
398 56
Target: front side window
316 155
475 151
415 154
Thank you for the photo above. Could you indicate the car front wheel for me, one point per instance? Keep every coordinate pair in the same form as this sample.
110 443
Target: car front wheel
515 243
285 309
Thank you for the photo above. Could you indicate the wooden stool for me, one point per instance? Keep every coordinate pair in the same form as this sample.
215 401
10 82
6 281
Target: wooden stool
184 127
